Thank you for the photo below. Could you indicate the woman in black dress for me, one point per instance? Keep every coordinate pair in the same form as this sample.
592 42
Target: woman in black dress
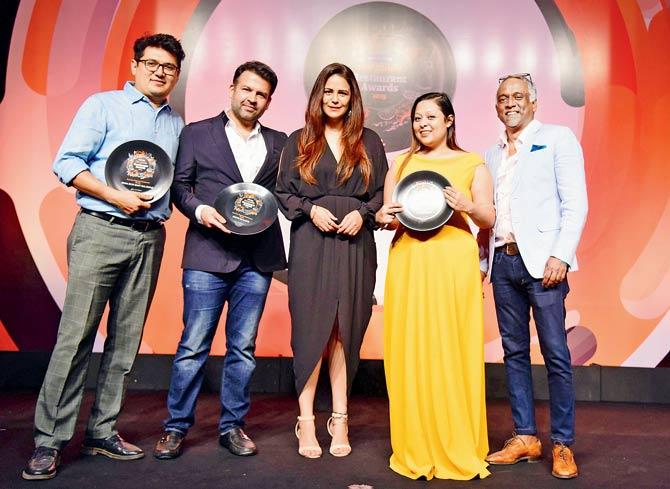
330 185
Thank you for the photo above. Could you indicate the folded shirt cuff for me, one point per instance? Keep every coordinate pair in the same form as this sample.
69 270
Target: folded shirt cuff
198 213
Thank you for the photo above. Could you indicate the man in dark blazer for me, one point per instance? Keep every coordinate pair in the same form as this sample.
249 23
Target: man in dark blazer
221 267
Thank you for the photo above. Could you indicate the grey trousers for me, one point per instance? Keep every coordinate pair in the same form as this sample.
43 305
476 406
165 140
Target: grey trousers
107 263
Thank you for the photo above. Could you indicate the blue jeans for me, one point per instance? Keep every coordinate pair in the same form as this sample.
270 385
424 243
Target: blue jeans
205 293
516 292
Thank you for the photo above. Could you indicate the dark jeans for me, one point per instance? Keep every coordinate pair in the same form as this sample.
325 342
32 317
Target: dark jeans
515 292
205 293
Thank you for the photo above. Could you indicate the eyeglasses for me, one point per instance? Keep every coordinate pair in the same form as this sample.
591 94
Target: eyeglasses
152 65
521 76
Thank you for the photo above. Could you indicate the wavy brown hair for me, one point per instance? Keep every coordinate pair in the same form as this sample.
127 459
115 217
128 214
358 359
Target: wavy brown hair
447 109
312 143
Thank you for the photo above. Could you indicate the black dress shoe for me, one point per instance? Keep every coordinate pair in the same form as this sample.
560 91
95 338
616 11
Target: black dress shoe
113 447
238 443
42 465
169 445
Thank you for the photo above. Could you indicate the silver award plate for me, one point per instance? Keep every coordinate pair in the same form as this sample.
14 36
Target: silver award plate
424 205
248 208
140 166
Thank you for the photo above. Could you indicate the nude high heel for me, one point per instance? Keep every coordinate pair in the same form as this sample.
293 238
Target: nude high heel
338 449
305 451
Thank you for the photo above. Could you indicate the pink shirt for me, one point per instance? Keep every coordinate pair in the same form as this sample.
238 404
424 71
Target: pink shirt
504 232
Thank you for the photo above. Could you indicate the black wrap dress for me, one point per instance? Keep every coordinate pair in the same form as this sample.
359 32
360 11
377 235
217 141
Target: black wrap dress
330 276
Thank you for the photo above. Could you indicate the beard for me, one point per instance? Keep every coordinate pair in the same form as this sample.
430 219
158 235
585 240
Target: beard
244 115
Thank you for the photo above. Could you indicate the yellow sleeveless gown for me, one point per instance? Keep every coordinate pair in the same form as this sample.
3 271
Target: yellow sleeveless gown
434 342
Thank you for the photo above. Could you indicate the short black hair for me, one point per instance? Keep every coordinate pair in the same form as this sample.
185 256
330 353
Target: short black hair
261 69
163 41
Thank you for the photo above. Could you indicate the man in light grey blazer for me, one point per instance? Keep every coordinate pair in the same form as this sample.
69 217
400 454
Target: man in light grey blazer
541 206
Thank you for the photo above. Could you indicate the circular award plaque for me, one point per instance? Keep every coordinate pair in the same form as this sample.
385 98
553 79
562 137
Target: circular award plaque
424 205
140 166
397 54
248 208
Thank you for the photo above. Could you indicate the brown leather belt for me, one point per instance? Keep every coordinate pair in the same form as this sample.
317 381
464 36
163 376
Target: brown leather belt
136 224
510 249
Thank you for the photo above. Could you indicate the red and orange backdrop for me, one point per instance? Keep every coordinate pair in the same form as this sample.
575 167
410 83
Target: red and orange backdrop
601 67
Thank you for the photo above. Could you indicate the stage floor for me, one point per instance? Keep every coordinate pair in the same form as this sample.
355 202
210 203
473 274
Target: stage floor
618 446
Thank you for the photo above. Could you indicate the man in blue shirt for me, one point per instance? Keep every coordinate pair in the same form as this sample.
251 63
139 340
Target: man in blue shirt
114 254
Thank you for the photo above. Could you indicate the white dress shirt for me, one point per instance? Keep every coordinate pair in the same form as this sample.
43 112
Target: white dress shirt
249 154
504 232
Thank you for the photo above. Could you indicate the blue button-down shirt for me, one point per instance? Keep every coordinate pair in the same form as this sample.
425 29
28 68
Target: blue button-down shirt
105 121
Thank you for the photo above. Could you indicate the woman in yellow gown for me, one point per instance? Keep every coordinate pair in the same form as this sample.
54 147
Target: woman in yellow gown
433 310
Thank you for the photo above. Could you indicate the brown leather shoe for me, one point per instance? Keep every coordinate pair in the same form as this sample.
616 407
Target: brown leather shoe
42 465
169 445
564 462
516 449
238 443
113 447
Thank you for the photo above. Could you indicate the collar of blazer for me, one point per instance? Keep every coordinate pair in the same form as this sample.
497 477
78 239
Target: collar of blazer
218 133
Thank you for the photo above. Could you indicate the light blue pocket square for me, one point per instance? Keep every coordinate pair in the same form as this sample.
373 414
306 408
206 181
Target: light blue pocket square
537 147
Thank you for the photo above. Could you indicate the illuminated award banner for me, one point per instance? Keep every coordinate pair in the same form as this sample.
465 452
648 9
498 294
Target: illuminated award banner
601 68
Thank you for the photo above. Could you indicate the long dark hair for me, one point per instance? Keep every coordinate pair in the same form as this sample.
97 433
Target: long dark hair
447 109
312 141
